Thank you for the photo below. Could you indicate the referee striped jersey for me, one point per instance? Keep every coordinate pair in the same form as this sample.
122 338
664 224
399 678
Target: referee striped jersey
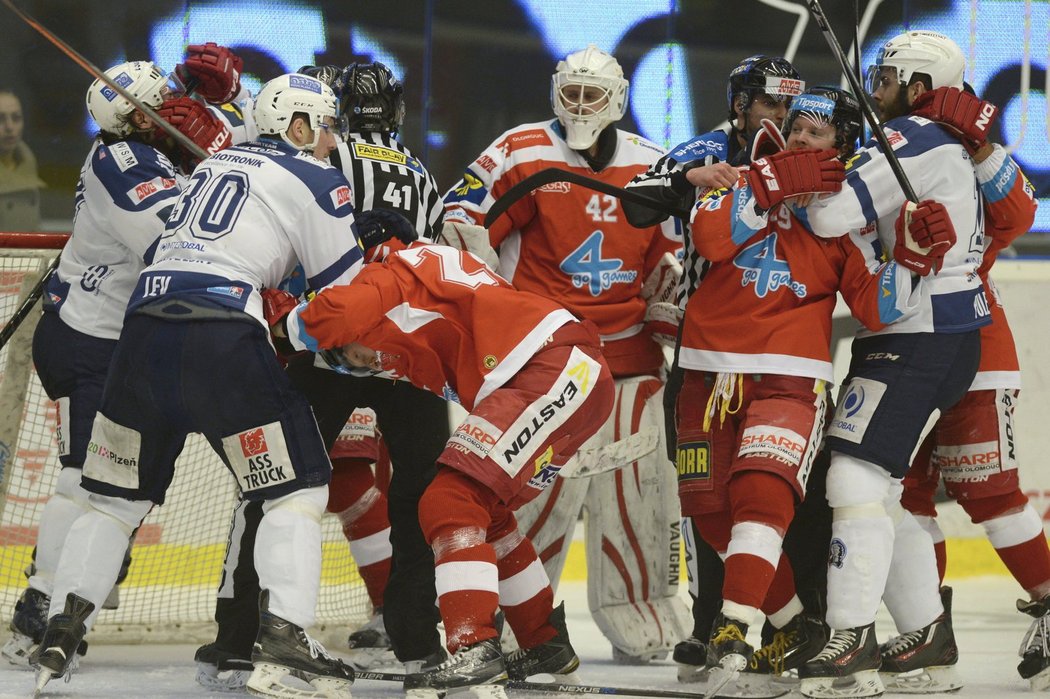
384 174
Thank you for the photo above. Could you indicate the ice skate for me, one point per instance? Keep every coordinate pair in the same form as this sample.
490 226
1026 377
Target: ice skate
727 653
476 671
691 657
27 626
56 656
283 652
219 670
778 661
847 667
370 645
1035 646
555 657
923 661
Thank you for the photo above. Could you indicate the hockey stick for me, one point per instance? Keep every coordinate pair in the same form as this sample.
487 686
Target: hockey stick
555 688
869 114
553 174
38 290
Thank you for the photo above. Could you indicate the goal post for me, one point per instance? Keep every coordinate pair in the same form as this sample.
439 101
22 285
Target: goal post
169 594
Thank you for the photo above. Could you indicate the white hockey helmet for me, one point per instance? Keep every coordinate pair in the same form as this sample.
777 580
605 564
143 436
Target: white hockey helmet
931 53
294 93
111 110
584 113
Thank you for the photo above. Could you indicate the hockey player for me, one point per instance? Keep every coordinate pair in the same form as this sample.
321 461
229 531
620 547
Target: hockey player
536 386
981 424
575 246
384 175
759 88
126 188
900 380
751 411
195 330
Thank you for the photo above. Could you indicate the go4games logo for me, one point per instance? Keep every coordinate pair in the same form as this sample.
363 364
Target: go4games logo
587 268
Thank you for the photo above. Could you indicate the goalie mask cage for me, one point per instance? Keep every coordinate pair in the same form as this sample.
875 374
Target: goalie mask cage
169 593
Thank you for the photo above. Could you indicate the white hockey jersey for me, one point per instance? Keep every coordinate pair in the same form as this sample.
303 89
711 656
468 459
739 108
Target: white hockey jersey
123 197
248 215
938 168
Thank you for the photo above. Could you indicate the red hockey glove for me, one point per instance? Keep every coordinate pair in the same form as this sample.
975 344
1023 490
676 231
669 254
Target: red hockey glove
277 304
213 71
791 172
924 236
967 116
195 122
768 141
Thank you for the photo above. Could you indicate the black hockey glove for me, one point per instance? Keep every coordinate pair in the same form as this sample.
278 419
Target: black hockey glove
376 226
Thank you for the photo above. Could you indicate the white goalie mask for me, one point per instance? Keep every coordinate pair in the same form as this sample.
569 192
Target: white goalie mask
111 110
920 52
588 92
290 94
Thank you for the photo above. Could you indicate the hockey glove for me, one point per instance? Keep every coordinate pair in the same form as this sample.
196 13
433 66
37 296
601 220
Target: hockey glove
768 141
788 173
213 71
194 121
376 226
277 304
924 236
967 116
471 238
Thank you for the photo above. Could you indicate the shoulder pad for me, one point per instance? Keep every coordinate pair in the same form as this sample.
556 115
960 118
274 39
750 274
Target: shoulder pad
713 143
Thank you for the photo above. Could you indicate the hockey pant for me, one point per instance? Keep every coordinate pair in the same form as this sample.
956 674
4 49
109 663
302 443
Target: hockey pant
973 447
619 479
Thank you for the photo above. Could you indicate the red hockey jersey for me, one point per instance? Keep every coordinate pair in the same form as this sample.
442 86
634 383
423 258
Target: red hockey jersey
440 319
766 302
1009 208
570 243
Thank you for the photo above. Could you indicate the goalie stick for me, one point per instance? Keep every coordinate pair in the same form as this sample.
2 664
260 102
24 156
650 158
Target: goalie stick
588 689
38 290
869 114
553 174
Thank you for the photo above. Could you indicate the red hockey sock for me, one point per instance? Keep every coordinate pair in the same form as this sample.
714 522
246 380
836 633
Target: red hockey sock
362 509
1028 562
524 589
782 590
455 513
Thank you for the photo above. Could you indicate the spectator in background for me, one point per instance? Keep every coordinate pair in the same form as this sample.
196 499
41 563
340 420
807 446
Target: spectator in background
19 183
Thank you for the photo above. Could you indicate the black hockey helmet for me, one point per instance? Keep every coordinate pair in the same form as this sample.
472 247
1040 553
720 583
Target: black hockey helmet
371 98
829 105
760 74
329 75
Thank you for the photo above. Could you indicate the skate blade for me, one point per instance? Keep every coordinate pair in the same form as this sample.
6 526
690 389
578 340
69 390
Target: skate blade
691 674
928 680
726 672
214 680
43 676
866 683
267 680
18 649
1040 681
555 679
371 658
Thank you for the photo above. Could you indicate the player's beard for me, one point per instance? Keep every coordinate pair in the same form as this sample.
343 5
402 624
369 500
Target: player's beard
896 107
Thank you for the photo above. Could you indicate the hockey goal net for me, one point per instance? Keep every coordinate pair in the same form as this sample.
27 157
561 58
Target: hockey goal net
169 594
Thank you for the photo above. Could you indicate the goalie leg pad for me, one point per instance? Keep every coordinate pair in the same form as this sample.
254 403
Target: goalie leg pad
632 553
549 522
